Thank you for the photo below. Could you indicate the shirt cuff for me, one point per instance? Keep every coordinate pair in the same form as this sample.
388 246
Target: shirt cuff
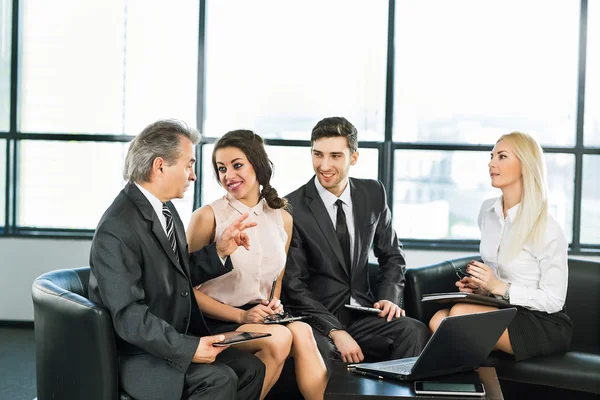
222 259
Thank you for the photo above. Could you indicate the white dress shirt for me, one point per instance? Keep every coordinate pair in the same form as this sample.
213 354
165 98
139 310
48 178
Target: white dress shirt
157 205
329 200
538 276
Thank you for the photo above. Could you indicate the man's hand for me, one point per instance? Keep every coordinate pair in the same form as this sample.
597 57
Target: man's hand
234 236
206 352
389 309
347 346
256 315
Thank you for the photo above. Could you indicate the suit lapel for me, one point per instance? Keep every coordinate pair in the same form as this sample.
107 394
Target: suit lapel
317 208
157 229
181 240
358 207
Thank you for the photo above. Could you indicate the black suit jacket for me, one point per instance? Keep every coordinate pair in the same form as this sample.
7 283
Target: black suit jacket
134 273
317 281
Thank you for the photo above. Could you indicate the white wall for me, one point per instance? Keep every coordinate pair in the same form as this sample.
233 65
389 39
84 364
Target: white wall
23 260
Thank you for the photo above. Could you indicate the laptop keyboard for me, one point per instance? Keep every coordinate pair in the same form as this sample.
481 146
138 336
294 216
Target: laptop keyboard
402 369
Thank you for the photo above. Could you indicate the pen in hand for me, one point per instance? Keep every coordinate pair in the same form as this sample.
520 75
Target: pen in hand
273 289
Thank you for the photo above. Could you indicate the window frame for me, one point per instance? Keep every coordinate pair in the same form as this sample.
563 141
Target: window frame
386 148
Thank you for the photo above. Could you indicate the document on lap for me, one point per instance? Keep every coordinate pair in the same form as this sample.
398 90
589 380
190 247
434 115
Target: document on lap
462 297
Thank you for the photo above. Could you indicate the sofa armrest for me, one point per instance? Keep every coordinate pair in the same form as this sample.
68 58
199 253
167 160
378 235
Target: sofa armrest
75 346
435 278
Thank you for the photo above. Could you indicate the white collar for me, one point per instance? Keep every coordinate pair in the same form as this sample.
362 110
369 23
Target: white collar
329 198
497 208
240 207
156 204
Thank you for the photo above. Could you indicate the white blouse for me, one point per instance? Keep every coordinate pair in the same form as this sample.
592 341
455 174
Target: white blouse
538 277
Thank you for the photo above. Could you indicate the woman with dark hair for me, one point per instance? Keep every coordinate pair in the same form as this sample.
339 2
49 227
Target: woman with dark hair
241 299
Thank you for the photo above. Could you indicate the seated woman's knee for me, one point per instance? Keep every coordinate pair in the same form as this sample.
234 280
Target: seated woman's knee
280 342
301 333
464 308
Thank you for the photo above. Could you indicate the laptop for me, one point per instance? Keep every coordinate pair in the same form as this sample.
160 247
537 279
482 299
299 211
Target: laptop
461 343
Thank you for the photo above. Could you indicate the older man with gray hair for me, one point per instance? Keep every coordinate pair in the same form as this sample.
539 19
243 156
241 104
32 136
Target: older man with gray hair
142 272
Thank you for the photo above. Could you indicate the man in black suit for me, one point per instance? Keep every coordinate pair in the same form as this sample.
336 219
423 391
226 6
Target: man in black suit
336 221
142 272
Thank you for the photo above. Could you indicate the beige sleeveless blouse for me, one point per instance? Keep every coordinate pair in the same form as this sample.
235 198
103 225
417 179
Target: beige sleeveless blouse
254 269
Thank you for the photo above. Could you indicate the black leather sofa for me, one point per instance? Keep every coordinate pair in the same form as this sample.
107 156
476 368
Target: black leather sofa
575 374
76 355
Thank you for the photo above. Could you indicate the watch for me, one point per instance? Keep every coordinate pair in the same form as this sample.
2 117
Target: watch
506 295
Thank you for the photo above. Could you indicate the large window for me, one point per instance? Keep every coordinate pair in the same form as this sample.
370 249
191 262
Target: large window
592 90
105 70
5 59
590 205
2 181
438 194
430 85
277 67
469 77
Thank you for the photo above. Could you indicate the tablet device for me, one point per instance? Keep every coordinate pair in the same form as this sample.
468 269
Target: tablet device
370 310
240 337
449 388
277 319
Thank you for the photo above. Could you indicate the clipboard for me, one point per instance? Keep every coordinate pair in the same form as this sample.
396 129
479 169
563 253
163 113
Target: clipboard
461 297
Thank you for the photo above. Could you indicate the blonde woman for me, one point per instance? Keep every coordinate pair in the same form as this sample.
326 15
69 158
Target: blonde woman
524 254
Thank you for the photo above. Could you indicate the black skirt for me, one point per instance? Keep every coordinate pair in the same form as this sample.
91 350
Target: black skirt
537 333
216 326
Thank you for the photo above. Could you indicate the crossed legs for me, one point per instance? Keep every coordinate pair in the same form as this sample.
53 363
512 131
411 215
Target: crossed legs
503 343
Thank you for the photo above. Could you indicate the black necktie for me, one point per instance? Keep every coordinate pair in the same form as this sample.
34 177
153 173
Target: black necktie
341 229
170 230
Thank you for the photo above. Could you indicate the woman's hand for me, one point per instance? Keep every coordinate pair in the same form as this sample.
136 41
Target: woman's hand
467 285
234 236
274 305
256 315
483 277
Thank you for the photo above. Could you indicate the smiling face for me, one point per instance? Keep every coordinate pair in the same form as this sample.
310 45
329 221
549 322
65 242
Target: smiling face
504 167
332 159
237 175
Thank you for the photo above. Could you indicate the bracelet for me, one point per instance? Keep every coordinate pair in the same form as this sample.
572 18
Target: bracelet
506 295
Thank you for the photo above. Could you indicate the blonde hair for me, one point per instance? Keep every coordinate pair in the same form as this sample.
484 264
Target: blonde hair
530 222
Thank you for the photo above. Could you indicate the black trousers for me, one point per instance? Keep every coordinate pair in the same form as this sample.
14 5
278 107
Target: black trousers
233 375
380 340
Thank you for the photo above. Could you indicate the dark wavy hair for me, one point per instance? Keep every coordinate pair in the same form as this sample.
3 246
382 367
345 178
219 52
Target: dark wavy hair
253 147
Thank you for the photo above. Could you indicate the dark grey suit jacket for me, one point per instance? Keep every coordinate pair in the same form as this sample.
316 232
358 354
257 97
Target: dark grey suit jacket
134 273
317 281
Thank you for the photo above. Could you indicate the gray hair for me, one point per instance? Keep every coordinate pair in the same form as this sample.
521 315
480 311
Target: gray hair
159 139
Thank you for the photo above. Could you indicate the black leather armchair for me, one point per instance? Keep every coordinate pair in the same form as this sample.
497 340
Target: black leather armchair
76 355
578 369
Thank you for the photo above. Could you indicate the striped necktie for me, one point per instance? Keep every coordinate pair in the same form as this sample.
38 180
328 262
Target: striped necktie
170 230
